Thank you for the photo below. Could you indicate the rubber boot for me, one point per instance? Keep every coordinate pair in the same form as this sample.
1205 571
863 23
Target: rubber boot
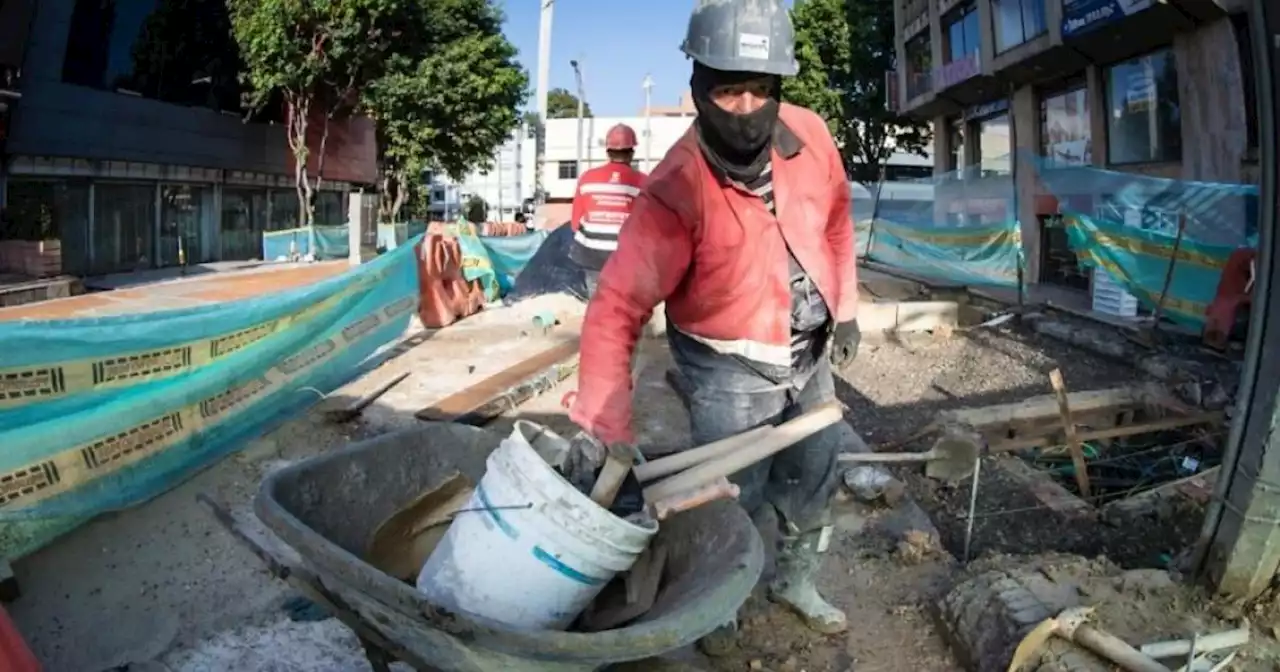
793 586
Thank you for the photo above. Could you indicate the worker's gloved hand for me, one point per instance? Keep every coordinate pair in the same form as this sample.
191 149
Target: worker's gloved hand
844 343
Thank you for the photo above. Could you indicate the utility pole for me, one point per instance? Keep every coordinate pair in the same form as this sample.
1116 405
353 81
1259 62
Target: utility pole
577 76
544 77
648 125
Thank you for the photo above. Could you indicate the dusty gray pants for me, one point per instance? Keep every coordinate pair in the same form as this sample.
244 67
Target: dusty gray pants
724 401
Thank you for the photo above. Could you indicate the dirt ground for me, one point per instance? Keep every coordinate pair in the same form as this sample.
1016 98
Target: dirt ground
163 583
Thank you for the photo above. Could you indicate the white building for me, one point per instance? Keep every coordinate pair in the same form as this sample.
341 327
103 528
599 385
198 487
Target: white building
510 180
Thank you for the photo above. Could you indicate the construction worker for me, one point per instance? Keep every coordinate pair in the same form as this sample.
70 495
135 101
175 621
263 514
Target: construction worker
602 203
744 230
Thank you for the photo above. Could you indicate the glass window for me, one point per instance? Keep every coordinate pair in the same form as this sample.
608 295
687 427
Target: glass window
329 208
124 222
1065 137
187 223
1016 21
1143 117
179 52
960 29
993 145
244 216
44 210
919 65
568 170
283 210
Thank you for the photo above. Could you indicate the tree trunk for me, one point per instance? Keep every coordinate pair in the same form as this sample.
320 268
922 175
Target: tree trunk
296 131
324 142
401 195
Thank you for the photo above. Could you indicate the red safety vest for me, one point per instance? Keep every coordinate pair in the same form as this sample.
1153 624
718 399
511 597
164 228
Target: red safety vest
601 205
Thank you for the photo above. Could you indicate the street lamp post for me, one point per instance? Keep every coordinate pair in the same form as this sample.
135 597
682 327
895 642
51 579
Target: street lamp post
577 76
544 75
648 125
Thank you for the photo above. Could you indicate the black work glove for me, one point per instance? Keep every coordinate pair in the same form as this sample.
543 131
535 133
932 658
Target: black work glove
844 343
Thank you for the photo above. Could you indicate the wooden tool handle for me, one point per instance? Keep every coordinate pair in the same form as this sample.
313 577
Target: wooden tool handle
866 458
767 444
610 481
684 459
719 489
1116 650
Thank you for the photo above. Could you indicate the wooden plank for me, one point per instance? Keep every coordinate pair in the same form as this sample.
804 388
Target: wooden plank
1074 445
1041 408
513 397
1119 431
475 397
1046 490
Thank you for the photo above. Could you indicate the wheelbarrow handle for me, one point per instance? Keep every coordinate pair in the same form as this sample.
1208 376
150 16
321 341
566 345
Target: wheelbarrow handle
718 489
271 555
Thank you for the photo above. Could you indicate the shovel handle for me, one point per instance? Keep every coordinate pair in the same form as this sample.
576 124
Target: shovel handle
864 458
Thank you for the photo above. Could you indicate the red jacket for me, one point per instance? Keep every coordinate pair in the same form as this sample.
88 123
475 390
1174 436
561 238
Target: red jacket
719 259
601 204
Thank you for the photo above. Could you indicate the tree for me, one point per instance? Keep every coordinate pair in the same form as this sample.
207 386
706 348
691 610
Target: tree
316 55
446 100
845 47
476 210
564 105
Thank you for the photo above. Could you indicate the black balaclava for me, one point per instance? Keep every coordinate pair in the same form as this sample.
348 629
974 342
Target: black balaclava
737 144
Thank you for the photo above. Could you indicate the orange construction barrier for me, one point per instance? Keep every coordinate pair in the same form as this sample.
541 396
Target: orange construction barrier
1233 299
15 655
444 297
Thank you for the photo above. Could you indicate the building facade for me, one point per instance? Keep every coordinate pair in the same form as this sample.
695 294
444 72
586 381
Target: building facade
128 142
1158 88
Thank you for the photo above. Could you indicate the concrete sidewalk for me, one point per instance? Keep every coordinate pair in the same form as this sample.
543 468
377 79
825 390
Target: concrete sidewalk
188 292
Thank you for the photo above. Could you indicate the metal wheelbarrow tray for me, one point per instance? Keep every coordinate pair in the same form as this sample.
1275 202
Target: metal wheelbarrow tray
323 510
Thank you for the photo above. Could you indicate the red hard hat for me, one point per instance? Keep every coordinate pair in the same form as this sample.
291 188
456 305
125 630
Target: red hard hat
619 138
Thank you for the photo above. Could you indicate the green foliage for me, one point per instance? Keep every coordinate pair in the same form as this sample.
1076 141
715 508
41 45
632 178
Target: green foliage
315 55
447 99
476 210
564 105
845 47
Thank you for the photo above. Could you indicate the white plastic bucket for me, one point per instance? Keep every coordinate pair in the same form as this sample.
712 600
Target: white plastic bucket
536 567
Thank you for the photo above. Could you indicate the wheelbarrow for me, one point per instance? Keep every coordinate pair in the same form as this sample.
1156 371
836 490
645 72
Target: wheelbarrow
319 513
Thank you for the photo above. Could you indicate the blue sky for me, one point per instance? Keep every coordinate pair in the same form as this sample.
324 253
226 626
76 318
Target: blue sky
617 42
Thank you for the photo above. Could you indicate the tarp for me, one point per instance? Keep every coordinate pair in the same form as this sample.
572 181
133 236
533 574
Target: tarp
510 254
1139 261
476 264
109 412
549 270
1126 224
983 255
331 243
959 227
391 236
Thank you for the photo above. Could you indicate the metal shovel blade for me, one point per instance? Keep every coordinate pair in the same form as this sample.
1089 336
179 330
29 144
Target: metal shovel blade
953 459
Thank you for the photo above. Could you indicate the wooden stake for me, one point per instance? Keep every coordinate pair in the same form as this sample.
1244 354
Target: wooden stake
1073 440
1168 274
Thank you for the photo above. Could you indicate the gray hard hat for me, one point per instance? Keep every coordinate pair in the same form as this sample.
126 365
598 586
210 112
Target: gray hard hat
742 35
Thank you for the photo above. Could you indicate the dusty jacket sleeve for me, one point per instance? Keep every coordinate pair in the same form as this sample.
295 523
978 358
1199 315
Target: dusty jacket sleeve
654 251
840 236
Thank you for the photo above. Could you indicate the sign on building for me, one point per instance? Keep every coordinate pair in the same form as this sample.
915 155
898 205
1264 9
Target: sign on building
1081 16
